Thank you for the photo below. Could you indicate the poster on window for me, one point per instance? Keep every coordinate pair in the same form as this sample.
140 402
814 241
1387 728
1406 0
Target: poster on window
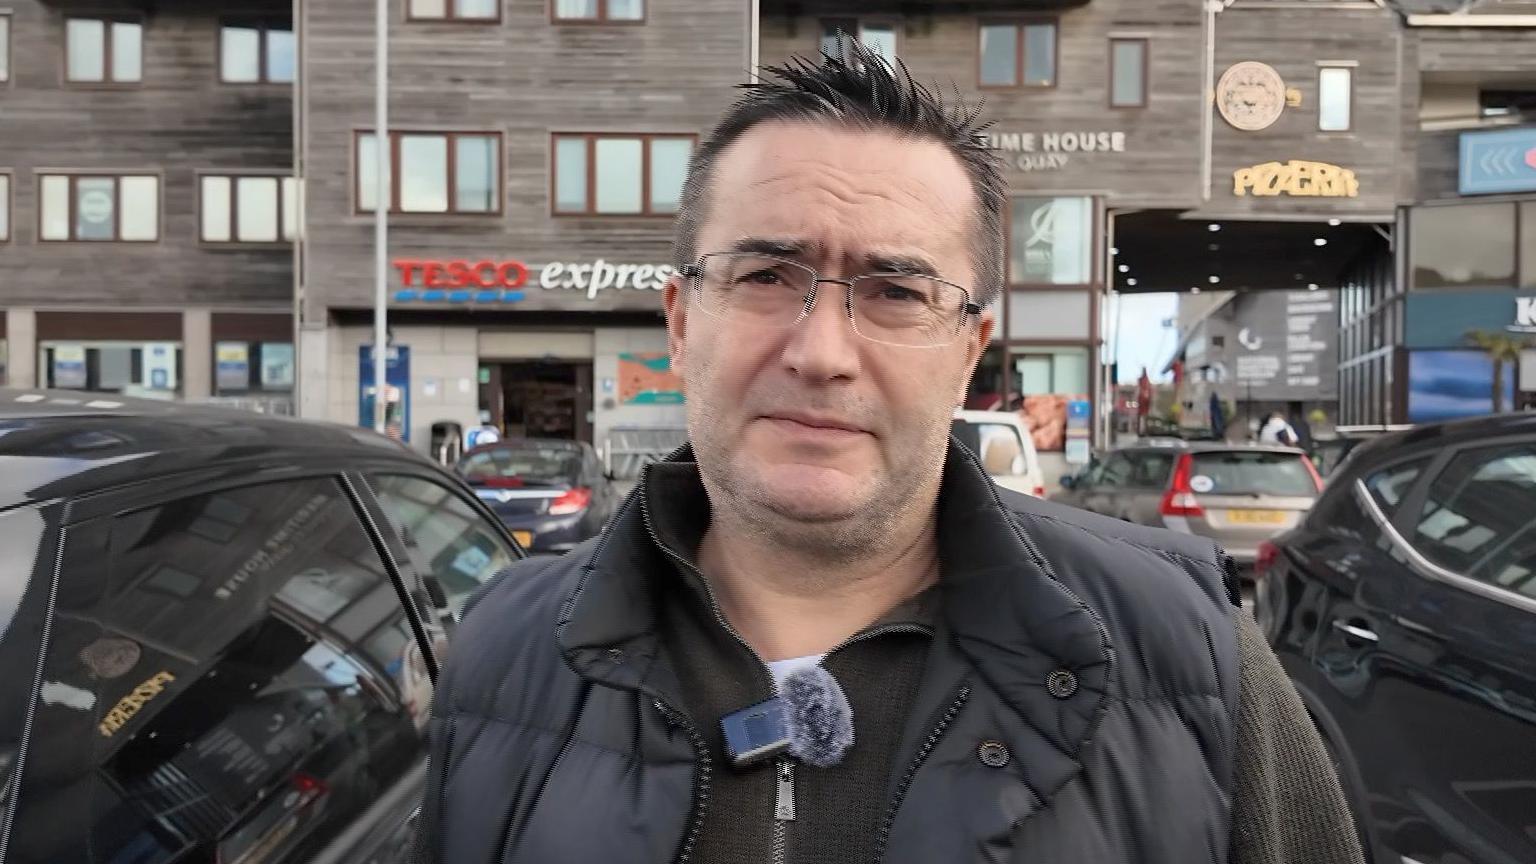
69 367
647 379
1052 241
232 366
276 366
1447 385
160 365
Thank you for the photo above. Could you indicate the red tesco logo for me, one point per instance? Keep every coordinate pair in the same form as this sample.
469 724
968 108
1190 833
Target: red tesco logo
461 273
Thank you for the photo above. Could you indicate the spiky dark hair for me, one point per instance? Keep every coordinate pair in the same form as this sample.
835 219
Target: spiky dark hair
862 90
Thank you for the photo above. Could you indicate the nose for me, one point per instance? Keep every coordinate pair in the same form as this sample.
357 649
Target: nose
823 346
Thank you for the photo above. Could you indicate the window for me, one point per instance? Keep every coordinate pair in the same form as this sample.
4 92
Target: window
1128 73
1477 518
5 208
838 33
244 367
238 669
1150 470
5 47
1018 54
1238 472
433 172
1335 98
997 445
247 209
1051 241
103 51
445 536
454 10
1462 246
99 207
1388 488
1115 471
111 367
599 10
256 53
640 175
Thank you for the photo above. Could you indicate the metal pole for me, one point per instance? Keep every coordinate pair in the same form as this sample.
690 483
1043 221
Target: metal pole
382 201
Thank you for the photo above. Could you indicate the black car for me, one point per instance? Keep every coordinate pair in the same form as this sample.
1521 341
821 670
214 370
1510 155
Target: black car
552 494
1404 609
219 632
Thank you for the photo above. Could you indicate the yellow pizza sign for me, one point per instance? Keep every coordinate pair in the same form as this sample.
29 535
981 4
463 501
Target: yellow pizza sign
134 702
1296 178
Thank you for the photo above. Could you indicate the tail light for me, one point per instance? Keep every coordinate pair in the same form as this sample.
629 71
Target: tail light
573 501
1180 498
1268 555
1312 469
1039 491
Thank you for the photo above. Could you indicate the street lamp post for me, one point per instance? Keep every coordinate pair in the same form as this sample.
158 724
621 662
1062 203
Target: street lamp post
381 203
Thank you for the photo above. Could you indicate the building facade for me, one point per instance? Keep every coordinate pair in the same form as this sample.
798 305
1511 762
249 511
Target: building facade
147 204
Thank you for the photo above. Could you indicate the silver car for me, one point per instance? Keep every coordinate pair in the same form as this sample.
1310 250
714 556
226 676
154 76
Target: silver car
1236 494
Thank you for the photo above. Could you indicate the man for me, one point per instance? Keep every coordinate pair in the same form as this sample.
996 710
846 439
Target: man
1277 431
1297 417
1025 683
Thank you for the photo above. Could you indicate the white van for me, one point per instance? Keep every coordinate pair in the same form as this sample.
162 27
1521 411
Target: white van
1005 447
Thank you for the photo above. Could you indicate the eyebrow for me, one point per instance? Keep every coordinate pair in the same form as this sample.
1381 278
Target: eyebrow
771 246
914 264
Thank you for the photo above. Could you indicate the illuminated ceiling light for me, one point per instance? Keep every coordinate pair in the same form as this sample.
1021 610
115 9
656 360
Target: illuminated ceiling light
1131 282
1214 247
1215 280
1321 241
1194 289
1312 286
1125 268
1114 251
1213 227
1335 222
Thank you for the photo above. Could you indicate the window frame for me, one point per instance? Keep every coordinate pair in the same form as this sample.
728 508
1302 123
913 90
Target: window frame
602 16
1021 60
234 207
860 22
590 138
9 205
1348 68
117 204
106 82
498 187
451 16
8 46
1146 73
262 26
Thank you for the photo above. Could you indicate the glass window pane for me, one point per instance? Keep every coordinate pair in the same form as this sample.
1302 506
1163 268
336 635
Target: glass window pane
55 206
834 33
141 207
1040 54
999 55
290 208
424 174
476 183
5 47
1463 246
626 10
1069 374
214 209
367 172
5 206
1476 521
669 167
1052 241
429 8
280 56
256 200
1528 244
1034 374
476 8
881 39
570 175
127 51
1128 82
239 55
87 45
443 535
576 8
1334 93
95 208
618 175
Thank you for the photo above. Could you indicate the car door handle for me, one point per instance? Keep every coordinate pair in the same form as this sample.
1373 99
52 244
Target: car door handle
1353 631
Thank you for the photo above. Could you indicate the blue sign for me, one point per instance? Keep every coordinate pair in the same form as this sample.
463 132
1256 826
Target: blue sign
397 379
1498 161
1443 319
1449 385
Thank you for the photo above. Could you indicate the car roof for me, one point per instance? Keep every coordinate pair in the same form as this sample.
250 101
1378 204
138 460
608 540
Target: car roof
1432 437
514 443
1184 446
57 444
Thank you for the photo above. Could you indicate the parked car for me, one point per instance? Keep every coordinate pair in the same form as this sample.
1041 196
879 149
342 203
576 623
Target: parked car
219 632
552 494
1239 495
1006 449
1404 609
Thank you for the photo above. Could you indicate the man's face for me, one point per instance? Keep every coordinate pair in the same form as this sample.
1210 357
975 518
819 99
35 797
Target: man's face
814 424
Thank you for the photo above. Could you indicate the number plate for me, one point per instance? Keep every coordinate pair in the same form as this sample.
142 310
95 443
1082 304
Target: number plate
1256 517
523 538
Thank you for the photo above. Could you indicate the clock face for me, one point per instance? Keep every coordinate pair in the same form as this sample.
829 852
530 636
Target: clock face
1250 96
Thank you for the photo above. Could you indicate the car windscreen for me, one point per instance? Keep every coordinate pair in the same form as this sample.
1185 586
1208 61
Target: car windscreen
1251 473
530 464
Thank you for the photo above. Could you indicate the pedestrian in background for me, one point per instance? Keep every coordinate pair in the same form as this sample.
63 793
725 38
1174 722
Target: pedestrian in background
819 633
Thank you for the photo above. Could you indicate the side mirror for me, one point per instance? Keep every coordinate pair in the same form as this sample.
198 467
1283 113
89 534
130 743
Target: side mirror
1069 481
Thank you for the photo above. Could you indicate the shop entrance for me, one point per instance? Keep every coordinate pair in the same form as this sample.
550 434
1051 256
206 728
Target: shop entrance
539 398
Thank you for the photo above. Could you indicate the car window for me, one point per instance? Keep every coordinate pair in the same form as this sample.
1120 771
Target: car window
25 579
1251 472
1117 470
444 535
525 464
1150 470
1390 486
1000 449
231 678
1477 519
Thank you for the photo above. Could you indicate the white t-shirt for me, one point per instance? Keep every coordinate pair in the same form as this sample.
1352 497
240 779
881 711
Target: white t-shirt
782 669
1270 434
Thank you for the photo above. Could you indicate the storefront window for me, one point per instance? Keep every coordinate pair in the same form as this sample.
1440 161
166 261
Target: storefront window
1046 379
1463 246
241 367
147 369
1051 241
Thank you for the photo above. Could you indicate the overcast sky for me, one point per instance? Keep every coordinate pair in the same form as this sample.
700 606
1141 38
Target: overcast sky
1143 340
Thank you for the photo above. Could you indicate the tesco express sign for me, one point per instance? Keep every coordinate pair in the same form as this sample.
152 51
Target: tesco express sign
591 278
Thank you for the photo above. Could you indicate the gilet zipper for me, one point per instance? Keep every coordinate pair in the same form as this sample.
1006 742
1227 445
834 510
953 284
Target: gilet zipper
923 752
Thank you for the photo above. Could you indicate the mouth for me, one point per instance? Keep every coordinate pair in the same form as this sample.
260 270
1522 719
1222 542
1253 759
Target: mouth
814 424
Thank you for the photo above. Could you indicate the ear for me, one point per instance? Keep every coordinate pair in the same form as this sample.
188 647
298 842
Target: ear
975 345
674 298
